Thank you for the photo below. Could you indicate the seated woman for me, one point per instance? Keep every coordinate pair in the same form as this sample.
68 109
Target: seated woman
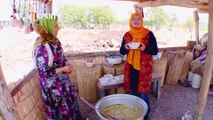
196 60
199 54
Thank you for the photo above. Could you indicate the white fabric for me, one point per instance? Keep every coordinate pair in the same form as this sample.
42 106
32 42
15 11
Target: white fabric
50 55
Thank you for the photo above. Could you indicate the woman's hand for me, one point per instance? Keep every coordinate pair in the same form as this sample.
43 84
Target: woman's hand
71 67
67 63
142 47
68 69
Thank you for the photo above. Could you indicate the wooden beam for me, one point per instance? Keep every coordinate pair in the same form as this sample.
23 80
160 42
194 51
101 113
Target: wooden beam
130 0
152 3
196 19
21 83
201 0
139 10
202 10
208 68
180 3
6 101
190 5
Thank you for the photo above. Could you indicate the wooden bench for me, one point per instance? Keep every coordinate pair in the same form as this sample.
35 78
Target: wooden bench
156 86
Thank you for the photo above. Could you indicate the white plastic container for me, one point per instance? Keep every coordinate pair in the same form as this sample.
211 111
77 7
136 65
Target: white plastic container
190 76
196 81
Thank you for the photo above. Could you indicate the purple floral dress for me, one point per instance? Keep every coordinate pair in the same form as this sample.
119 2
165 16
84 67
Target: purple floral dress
58 93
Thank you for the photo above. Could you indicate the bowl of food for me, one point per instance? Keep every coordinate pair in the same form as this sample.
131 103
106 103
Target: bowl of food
114 80
134 45
114 59
121 106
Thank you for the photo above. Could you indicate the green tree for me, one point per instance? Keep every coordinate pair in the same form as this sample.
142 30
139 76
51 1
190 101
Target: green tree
149 23
172 18
189 23
72 15
102 15
80 17
156 17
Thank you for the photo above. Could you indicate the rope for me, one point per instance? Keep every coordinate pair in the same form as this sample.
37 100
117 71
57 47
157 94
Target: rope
26 96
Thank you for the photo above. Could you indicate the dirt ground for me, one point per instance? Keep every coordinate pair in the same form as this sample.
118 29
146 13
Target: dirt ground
175 100
16 45
16 61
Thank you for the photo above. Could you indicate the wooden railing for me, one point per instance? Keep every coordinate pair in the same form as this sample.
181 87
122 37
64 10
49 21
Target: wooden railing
95 54
24 81
32 73
27 96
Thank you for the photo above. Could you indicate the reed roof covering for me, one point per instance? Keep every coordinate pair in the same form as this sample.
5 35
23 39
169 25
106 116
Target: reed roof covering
201 5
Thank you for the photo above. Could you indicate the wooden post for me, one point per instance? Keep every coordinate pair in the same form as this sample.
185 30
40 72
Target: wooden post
196 19
139 10
5 108
208 68
190 44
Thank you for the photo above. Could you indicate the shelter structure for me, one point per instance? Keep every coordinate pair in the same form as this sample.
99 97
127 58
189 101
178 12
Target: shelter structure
204 6
33 98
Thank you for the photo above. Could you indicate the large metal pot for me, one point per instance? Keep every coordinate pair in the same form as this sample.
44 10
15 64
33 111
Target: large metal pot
121 99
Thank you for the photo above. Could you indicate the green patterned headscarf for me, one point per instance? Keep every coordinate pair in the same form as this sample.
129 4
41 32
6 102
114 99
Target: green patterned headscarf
45 28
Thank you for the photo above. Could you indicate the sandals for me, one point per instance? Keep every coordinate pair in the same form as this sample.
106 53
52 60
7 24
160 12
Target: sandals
184 83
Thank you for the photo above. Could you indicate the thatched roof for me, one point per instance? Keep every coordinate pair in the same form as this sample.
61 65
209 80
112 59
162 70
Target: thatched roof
201 5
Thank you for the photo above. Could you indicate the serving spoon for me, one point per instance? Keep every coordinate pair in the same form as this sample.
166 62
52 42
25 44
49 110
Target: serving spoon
107 115
106 54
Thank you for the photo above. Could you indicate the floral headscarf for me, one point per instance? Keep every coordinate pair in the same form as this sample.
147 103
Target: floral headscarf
45 28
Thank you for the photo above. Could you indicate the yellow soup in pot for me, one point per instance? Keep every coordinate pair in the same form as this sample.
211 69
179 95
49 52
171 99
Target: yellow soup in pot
122 111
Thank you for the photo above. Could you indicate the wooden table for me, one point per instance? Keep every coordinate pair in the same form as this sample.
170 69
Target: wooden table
156 86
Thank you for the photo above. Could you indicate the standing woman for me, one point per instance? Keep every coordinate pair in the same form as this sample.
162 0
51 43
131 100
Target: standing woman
138 66
60 98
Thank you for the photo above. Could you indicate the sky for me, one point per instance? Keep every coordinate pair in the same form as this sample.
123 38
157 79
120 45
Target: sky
5 10
121 8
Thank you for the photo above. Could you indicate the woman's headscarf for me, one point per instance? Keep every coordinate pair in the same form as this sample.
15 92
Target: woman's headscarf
137 34
45 27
